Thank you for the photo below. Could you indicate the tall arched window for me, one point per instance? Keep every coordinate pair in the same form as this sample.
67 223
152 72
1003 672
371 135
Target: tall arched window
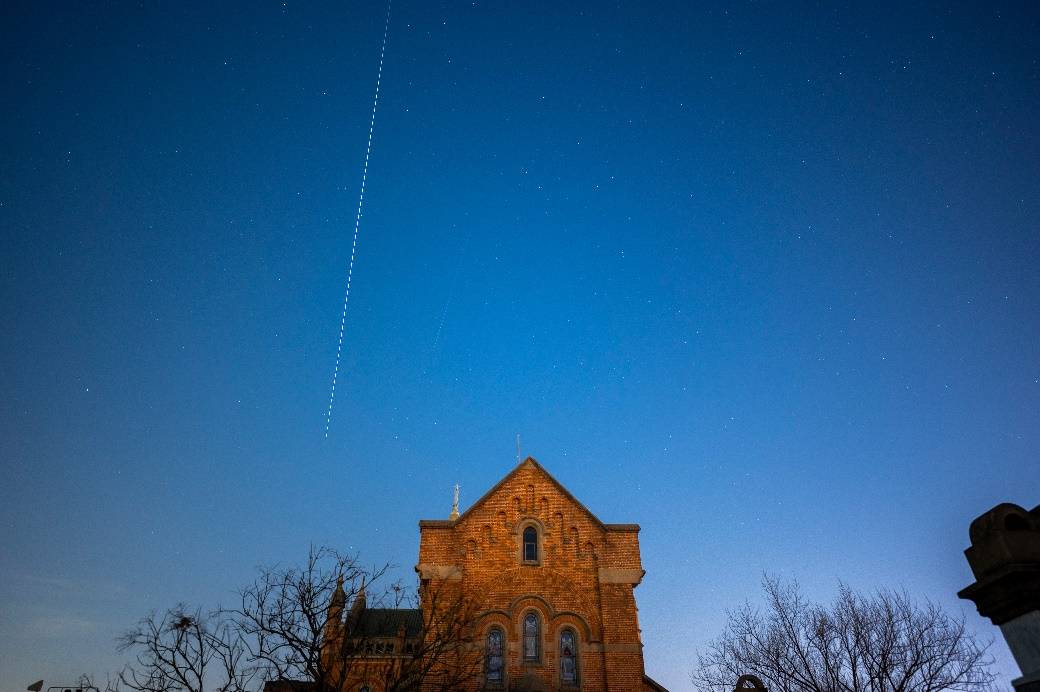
494 660
530 544
568 658
532 638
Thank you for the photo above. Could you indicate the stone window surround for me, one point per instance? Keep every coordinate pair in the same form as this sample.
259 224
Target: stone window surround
539 640
503 683
577 656
539 529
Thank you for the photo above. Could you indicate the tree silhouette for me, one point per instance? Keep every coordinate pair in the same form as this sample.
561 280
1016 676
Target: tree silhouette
318 626
183 649
879 643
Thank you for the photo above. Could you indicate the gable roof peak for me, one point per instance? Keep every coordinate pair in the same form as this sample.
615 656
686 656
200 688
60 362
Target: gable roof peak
529 463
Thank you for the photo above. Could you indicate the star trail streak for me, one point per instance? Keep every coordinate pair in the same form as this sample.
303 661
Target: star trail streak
357 223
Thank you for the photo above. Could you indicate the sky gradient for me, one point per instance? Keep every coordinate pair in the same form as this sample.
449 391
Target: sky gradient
762 279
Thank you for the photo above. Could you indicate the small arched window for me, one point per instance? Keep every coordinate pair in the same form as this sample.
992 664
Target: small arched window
494 658
364 688
532 638
568 659
530 544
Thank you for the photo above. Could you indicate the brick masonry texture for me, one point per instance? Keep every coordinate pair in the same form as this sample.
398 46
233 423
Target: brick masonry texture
583 580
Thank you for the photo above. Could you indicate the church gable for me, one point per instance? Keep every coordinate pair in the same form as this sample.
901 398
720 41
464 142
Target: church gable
529 518
523 484
553 582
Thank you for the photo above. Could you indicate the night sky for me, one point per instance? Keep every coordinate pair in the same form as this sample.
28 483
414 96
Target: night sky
761 278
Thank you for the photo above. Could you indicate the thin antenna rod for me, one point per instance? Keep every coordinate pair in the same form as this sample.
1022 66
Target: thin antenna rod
518 448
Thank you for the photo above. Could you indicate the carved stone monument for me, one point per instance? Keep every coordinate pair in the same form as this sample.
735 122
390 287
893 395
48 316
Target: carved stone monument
1005 558
749 682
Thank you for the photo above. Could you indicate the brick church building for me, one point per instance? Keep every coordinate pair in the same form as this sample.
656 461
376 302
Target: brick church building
556 588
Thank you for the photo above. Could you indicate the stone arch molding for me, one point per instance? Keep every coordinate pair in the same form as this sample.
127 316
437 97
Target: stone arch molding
516 581
528 519
554 619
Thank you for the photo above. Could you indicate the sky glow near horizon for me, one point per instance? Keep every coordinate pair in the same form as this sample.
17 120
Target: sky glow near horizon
762 280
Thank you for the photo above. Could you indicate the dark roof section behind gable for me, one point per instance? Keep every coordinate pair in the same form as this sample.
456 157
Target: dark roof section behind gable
290 686
386 622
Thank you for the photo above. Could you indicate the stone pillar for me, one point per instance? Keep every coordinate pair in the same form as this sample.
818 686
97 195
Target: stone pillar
1005 558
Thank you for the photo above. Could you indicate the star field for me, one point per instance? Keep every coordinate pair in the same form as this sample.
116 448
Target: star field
762 279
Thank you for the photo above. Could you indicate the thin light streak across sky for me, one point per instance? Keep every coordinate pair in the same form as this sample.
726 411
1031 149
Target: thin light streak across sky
760 278
357 223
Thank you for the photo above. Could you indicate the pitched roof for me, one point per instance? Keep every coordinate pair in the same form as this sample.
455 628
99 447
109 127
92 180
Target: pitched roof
653 684
529 462
386 622
290 686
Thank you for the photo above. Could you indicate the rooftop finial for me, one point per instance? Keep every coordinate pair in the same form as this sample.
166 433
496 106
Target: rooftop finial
455 504
518 448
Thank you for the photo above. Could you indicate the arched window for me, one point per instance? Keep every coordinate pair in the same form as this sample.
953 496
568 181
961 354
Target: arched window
364 688
568 659
530 544
532 638
494 660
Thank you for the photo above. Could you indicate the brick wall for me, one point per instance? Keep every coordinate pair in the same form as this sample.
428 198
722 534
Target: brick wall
583 580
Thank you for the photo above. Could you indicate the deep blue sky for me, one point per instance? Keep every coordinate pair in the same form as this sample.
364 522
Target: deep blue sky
761 278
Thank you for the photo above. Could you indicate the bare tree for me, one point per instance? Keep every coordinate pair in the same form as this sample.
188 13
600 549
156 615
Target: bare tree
879 643
283 615
323 626
332 621
184 650
447 656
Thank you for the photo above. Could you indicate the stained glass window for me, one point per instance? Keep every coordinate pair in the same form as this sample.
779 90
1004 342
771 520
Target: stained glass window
495 663
532 632
568 658
530 544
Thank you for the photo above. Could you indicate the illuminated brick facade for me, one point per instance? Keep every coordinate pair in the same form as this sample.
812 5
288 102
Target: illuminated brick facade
529 548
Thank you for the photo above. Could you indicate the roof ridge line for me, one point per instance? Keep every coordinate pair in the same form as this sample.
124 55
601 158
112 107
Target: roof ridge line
516 469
